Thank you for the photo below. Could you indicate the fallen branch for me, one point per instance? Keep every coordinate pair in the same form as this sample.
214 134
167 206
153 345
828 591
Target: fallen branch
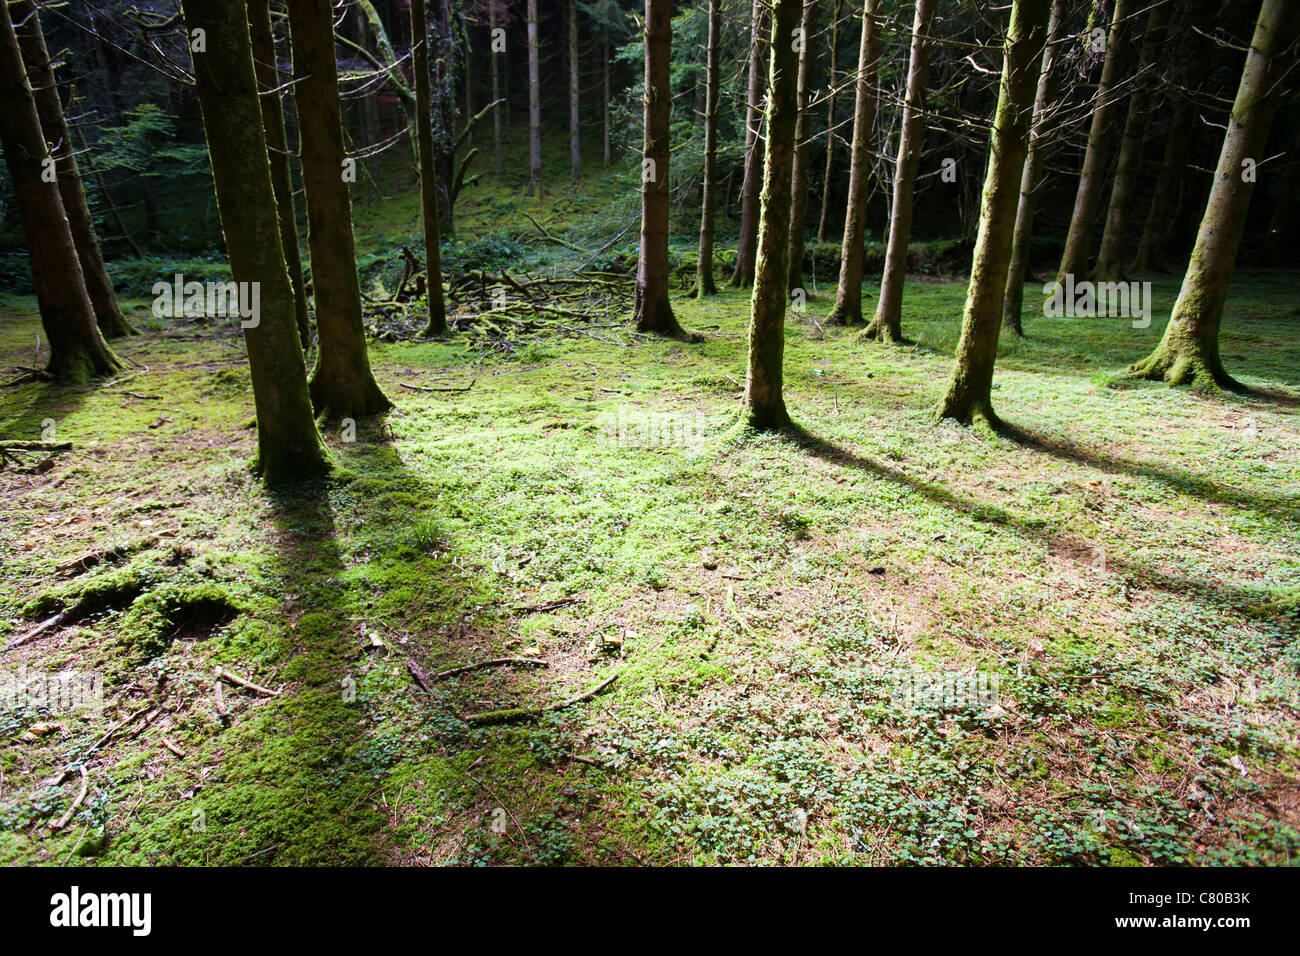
496 662
546 606
47 626
223 674
514 714
556 239
436 388
89 559
64 820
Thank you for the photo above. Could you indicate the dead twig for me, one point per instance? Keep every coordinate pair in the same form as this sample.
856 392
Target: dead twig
223 674
514 714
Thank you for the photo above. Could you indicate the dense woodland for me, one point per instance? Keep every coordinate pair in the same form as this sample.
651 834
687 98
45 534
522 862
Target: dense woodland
541 431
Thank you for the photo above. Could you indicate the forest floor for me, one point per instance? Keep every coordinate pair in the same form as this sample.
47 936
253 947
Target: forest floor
1119 575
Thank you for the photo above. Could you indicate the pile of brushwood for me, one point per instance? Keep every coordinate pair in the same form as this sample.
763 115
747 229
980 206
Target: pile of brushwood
498 311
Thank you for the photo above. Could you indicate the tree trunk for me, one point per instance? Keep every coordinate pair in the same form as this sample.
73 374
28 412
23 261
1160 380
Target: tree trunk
704 284
972 378
575 154
888 322
1110 258
268 81
342 384
496 91
848 295
802 152
99 286
437 323
1194 54
830 127
609 156
1276 240
288 446
1030 181
534 106
743 276
78 351
1188 353
654 313
1078 241
764 404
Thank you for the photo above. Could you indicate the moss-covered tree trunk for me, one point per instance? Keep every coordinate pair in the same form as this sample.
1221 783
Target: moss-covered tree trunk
437 323
78 351
802 150
1188 353
1014 300
743 275
764 407
887 325
1110 257
1092 178
824 218
534 105
971 385
654 313
342 384
36 58
288 445
268 80
1178 138
848 294
704 283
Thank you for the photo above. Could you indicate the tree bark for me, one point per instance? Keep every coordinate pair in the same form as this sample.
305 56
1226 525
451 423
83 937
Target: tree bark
1188 353
1194 54
575 152
1276 240
802 152
496 91
289 446
704 283
609 156
654 313
342 384
103 299
969 391
830 127
1030 181
268 81
78 351
534 106
743 276
1078 241
1110 258
764 407
848 295
437 324
887 326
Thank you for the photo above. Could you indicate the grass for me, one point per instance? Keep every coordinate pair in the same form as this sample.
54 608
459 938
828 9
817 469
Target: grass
1124 567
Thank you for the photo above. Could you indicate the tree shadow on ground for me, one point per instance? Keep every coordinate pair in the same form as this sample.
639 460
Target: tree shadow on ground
1282 506
367 757
1138 575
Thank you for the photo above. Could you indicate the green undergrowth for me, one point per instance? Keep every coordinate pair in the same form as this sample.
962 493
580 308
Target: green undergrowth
1121 566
